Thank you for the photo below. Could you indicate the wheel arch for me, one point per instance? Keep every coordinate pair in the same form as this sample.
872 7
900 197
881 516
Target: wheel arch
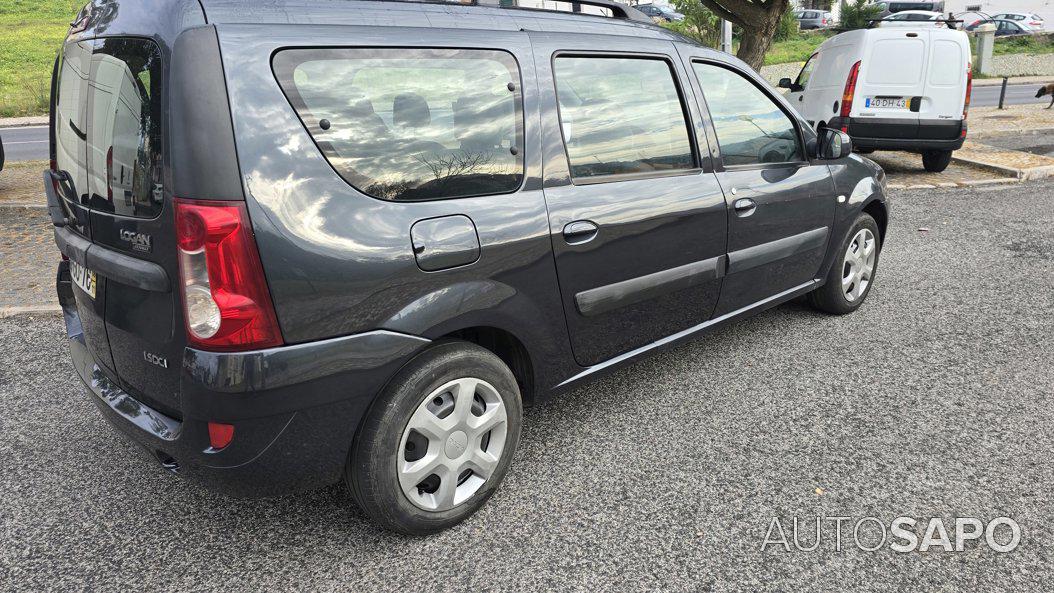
877 209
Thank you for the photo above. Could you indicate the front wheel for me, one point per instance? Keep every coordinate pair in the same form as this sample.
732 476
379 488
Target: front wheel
438 440
852 275
936 161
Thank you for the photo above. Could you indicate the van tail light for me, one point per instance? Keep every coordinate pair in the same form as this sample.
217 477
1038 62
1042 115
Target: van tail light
226 303
850 90
109 174
969 91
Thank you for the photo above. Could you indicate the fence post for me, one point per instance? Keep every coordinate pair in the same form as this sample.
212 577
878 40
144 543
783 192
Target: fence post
1002 91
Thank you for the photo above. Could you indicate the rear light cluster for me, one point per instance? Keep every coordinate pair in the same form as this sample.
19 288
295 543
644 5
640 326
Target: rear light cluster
847 95
225 299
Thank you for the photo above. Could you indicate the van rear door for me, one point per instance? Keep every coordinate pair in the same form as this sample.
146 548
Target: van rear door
129 215
892 81
943 99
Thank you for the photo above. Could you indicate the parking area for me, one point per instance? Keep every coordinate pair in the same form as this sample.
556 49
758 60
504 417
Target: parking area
933 400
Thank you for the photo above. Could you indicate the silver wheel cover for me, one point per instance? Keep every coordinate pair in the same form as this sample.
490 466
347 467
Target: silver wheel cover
858 265
465 424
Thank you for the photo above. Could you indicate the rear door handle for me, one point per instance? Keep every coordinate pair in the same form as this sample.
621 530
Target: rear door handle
580 231
745 207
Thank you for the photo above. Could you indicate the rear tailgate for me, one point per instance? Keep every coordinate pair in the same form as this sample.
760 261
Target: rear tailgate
108 145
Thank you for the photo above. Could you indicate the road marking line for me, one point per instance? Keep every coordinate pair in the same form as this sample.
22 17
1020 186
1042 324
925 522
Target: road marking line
26 142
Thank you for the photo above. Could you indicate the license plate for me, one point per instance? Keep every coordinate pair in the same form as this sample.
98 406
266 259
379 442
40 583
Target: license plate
83 278
887 102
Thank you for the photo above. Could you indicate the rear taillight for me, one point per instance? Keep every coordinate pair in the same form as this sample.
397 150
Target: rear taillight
969 91
220 435
850 90
225 299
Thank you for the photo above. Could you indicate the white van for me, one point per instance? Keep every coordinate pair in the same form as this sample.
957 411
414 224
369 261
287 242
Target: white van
890 89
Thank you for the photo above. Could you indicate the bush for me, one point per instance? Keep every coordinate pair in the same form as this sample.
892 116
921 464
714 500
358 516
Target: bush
787 27
856 14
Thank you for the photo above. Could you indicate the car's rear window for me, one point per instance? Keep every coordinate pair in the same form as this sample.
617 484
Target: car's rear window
124 127
411 124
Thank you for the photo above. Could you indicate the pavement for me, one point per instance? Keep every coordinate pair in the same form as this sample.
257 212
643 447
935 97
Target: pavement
932 400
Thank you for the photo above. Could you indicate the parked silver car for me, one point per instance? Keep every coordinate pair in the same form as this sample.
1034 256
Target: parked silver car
814 19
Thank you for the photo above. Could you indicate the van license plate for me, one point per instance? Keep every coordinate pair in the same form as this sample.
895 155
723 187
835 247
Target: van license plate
887 102
83 278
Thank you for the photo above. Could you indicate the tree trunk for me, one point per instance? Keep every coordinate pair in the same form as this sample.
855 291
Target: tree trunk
758 37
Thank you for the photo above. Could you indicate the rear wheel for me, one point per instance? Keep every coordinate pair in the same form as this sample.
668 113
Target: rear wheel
850 279
438 440
936 161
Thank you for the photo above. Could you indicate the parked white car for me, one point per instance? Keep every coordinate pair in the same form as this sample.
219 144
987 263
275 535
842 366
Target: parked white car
890 88
913 18
1025 19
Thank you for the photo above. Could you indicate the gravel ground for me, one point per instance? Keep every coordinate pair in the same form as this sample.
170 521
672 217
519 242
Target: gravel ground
933 400
28 258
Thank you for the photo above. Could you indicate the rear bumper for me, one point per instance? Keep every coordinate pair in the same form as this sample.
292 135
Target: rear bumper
898 134
295 409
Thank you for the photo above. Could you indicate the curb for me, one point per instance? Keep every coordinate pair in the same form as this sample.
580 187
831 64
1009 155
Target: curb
23 206
24 122
1029 174
6 312
949 185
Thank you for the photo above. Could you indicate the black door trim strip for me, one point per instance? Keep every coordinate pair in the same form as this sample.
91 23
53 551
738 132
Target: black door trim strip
766 253
620 294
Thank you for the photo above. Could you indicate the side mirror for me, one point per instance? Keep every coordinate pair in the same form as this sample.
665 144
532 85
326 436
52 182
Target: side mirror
835 144
785 83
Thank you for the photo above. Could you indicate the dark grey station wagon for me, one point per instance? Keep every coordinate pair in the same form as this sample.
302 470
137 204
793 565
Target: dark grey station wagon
312 241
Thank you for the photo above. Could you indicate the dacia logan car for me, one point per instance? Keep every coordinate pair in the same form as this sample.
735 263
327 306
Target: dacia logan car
315 241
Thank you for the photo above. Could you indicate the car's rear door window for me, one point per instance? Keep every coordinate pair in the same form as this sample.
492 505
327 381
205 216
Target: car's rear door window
124 127
621 116
411 124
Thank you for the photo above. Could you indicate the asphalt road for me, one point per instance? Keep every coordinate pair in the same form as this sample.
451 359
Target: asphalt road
933 400
1016 94
26 144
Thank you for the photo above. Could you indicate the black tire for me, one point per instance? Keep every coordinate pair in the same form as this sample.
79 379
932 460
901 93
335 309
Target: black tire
830 298
371 471
936 161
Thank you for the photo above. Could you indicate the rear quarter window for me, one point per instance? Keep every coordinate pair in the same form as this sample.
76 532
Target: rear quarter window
411 124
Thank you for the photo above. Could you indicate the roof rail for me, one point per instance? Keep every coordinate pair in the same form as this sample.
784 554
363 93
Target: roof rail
618 9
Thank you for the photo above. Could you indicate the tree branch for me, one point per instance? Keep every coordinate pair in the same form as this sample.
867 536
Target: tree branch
721 12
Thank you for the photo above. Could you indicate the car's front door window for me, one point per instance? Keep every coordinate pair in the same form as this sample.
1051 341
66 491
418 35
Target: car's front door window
751 128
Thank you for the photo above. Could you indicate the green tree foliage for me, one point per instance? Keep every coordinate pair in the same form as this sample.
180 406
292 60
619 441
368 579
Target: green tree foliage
699 22
857 13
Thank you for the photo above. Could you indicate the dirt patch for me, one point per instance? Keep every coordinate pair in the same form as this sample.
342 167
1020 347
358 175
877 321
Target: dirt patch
23 183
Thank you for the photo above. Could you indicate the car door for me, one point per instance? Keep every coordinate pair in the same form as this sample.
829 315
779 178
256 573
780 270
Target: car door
781 205
637 218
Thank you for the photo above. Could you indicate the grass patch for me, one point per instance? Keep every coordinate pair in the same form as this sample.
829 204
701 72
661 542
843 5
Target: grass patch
1026 44
31 32
795 49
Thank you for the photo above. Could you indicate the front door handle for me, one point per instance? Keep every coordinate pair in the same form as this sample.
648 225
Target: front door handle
745 207
580 231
